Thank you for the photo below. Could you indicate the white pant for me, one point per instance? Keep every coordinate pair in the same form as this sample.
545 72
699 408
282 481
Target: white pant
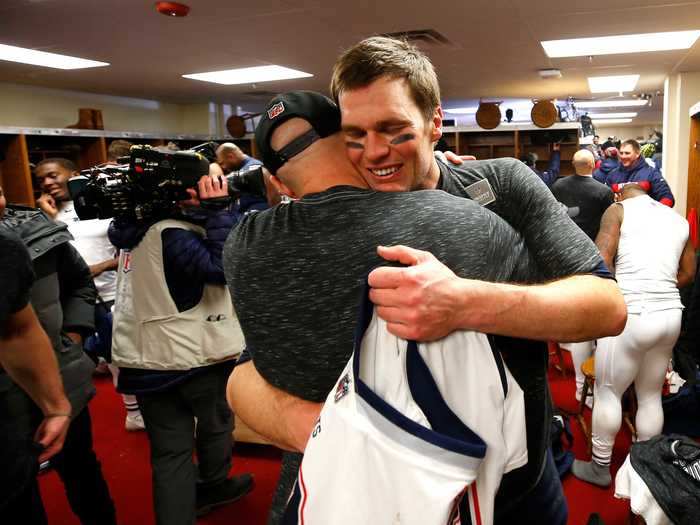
640 354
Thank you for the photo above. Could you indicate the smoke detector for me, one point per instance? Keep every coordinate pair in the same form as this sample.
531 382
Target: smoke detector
549 73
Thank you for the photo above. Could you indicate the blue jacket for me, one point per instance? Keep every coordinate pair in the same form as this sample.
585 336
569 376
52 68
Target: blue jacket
552 173
189 261
247 202
609 164
647 177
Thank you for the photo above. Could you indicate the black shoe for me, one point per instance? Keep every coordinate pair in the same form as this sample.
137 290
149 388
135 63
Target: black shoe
223 493
595 519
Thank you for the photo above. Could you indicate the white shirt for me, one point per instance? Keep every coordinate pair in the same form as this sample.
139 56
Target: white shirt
652 239
90 239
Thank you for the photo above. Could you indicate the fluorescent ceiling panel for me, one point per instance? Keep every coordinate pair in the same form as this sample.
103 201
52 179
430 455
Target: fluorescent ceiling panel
621 103
249 75
602 122
42 58
614 45
630 114
462 111
613 84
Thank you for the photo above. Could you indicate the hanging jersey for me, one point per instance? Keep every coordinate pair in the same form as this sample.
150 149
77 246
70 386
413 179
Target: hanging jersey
412 434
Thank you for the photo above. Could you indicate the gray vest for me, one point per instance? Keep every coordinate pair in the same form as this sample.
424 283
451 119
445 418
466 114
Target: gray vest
149 332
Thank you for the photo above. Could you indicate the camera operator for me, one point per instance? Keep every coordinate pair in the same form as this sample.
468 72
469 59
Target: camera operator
175 336
63 297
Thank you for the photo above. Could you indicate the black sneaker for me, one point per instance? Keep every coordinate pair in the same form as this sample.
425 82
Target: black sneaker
223 493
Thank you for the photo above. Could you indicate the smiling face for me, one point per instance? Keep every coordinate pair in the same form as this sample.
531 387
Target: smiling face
628 155
387 137
53 180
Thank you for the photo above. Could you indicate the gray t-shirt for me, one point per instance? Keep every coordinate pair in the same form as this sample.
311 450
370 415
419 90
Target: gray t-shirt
560 249
296 271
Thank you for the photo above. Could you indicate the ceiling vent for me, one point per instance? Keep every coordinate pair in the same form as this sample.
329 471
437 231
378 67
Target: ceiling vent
422 37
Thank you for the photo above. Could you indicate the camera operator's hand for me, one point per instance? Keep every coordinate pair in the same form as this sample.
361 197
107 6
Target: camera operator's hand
212 187
48 205
207 188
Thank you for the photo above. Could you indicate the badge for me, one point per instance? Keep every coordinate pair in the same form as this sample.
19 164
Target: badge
481 192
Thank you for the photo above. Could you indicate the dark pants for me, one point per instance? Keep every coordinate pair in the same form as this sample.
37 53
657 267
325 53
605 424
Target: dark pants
545 503
80 471
169 418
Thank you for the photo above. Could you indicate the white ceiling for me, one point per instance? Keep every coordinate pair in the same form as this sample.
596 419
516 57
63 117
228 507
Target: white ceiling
494 50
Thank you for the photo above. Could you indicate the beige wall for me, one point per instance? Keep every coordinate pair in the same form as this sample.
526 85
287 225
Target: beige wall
626 132
682 91
41 107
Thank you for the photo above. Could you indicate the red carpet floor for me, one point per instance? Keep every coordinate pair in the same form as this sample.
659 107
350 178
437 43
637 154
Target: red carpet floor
124 457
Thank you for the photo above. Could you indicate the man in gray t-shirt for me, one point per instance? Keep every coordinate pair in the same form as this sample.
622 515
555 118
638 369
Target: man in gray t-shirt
296 271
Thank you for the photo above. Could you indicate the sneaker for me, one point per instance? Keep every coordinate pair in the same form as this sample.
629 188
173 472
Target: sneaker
223 493
134 422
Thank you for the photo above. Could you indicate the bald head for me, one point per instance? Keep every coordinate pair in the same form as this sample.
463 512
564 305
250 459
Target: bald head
229 156
318 167
630 190
583 162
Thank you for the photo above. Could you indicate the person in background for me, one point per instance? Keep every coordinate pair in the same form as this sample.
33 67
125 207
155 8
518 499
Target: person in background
647 245
28 367
634 168
118 149
596 149
229 157
91 241
610 162
552 172
63 297
586 200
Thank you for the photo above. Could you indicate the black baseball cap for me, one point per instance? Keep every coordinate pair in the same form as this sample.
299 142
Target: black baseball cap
319 111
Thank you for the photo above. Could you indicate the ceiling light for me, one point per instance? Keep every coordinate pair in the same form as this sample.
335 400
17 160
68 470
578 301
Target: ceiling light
549 73
42 58
612 115
172 9
621 103
602 122
613 45
613 84
462 111
248 75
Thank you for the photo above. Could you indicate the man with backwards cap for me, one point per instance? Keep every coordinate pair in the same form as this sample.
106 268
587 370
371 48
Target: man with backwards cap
391 116
297 302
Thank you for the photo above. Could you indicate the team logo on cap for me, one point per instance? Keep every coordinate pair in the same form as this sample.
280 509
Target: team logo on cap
275 110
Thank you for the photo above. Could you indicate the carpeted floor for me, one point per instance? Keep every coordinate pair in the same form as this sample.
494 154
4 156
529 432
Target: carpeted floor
124 457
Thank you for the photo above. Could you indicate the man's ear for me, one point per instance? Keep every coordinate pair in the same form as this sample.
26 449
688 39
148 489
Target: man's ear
436 121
